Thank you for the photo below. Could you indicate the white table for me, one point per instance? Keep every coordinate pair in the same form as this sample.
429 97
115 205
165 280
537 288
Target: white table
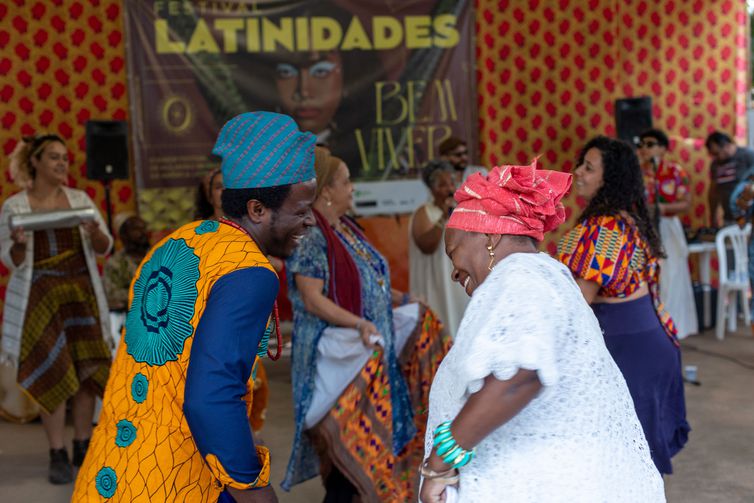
705 249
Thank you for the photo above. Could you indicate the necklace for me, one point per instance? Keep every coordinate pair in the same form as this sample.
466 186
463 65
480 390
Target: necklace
275 319
364 251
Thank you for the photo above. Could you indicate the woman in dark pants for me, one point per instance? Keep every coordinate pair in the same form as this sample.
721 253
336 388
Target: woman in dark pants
613 251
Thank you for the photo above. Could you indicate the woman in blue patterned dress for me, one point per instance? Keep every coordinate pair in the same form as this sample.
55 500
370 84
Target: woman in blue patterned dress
361 371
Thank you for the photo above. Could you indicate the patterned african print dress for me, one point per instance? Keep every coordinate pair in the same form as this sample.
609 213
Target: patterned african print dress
16 403
175 423
62 348
639 334
357 436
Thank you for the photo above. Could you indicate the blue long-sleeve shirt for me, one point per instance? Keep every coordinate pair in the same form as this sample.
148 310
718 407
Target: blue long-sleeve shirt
223 352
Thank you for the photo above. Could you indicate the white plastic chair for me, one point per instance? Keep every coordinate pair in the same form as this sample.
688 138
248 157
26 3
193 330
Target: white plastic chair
734 278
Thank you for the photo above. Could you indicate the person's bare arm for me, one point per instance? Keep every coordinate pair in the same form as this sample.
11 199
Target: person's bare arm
588 288
677 208
101 242
320 306
18 249
714 206
426 234
485 411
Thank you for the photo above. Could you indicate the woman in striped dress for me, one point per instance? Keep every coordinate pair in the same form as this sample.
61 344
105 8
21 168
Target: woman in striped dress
55 315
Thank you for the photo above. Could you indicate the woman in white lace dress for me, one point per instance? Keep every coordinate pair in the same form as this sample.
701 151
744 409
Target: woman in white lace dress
528 405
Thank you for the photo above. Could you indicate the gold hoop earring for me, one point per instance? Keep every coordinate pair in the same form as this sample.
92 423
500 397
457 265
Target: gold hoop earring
492 254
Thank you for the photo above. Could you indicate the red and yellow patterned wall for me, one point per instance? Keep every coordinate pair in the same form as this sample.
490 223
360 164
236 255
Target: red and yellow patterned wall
548 74
61 63
550 71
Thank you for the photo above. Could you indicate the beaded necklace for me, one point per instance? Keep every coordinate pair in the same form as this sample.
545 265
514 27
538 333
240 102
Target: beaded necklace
275 319
363 251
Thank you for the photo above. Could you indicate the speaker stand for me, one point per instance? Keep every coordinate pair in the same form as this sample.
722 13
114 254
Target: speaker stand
108 204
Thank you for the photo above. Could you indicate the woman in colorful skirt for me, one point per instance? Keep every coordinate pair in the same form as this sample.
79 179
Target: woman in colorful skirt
56 317
361 369
528 405
613 252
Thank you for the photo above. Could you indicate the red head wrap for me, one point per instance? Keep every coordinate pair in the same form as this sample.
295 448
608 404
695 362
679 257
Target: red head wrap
521 200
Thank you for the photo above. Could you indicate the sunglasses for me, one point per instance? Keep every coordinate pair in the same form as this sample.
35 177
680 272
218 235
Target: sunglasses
647 144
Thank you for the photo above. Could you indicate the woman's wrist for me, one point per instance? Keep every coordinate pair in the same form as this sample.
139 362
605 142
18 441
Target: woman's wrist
447 449
436 464
449 476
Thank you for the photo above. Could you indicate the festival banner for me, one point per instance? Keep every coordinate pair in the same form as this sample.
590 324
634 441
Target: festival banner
381 83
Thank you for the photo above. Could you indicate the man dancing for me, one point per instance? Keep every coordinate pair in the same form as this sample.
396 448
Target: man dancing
175 417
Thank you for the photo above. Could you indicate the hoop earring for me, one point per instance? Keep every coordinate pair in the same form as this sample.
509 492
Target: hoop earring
491 252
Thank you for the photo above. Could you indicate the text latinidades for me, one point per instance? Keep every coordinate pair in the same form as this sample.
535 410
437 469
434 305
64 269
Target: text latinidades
260 34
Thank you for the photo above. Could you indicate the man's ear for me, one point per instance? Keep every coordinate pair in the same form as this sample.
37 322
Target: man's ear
257 212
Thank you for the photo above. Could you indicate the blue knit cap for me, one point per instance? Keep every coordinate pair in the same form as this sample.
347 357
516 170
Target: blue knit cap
264 149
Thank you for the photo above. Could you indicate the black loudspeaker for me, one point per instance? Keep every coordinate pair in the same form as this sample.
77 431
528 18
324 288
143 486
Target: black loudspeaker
106 150
632 117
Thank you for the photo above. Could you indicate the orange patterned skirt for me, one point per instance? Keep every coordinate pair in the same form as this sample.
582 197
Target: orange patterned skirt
356 435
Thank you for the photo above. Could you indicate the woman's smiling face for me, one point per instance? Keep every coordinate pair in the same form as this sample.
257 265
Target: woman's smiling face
468 253
588 176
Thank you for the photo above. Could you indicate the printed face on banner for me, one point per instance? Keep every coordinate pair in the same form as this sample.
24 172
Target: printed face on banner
381 85
310 90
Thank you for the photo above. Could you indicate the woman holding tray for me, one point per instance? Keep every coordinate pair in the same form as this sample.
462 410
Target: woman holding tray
56 314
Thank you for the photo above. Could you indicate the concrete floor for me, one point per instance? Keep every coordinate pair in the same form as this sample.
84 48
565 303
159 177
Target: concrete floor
716 466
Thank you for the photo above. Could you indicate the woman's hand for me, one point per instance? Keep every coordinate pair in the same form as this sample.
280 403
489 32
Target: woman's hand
402 298
18 250
447 205
91 227
432 491
100 240
366 330
19 236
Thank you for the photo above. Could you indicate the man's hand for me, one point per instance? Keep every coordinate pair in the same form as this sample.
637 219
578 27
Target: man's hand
263 495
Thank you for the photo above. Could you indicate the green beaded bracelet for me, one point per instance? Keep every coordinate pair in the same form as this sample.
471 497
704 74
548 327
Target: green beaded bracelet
444 447
448 449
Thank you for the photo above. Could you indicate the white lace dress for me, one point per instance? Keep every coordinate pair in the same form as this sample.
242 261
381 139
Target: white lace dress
580 439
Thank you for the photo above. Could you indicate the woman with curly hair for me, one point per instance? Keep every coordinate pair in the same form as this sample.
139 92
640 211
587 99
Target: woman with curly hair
613 252
56 314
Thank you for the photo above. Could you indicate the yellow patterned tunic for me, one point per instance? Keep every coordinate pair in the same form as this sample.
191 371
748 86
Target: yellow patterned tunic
145 448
